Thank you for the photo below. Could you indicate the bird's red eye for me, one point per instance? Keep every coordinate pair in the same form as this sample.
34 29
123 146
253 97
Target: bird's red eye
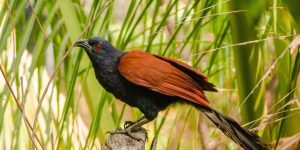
98 48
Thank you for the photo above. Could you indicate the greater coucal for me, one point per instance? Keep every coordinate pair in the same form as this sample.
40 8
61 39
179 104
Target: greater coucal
152 83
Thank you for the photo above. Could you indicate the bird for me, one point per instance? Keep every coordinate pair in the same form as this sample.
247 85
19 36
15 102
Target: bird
151 83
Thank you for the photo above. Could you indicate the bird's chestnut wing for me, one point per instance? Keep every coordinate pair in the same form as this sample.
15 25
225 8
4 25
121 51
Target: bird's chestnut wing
201 79
146 70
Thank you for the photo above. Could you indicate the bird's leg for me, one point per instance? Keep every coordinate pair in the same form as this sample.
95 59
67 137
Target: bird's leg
127 124
132 126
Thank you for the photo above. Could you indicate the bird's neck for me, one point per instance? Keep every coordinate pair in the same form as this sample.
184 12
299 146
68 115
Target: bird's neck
108 62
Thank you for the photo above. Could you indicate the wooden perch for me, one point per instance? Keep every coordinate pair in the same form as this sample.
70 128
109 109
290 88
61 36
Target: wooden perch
118 141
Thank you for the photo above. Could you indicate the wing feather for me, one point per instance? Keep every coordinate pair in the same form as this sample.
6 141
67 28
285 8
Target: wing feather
201 79
146 70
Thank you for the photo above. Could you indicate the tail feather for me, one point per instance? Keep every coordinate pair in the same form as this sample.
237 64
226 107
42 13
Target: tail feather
232 129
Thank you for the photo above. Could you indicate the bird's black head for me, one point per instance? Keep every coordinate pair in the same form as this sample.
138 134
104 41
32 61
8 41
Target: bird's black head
99 50
96 47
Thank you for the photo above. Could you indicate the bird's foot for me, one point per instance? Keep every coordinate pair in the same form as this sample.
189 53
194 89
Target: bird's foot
113 132
128 124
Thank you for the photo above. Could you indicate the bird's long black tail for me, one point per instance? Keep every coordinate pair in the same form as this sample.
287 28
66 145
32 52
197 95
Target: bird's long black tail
232 129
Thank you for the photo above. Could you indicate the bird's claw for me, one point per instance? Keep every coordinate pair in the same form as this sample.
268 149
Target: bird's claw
127 124
113 132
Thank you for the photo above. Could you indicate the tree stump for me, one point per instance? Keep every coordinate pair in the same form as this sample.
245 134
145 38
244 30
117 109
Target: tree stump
118 141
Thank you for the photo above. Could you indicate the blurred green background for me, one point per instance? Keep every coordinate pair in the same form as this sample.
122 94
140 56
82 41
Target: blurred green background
242 46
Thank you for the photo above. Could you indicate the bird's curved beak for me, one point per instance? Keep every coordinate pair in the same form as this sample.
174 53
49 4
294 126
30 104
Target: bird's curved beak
83 43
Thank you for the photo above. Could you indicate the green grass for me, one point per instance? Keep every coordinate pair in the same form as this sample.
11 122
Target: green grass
241 46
